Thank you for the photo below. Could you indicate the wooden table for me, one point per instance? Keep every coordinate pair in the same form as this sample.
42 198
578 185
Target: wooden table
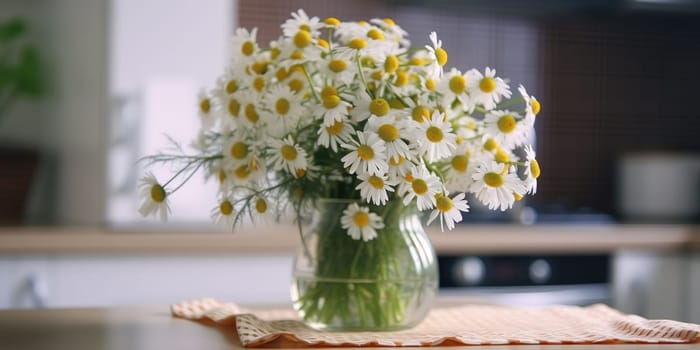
154 328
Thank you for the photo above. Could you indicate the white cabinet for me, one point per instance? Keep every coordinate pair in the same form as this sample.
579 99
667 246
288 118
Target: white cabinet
84 281
658 285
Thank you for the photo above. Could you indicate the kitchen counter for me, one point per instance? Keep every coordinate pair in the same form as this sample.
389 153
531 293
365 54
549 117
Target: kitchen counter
154 328
276 238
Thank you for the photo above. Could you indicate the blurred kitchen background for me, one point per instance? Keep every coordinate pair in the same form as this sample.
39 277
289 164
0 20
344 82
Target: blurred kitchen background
617 139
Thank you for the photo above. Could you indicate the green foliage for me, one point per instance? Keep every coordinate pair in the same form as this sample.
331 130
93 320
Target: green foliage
20 65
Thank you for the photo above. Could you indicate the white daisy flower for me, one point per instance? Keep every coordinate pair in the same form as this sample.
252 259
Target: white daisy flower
392 132
301 21
532 106
250 107
339 70
438 55
248 173
230 111
285 110
398 168
154 198
332 136
361 106
495 186
244 46
368 154
236 151
224 213
506 128
486 89
287 155
532 170
449 209
229 82
459 169
420 184
374 188
453 85
360 222
205 104
261 210
394 32
435 138
332 108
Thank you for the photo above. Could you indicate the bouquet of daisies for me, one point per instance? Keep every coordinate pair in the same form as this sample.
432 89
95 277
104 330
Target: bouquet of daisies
349 111
337 109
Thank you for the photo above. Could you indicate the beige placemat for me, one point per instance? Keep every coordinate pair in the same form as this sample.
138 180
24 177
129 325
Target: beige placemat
467 325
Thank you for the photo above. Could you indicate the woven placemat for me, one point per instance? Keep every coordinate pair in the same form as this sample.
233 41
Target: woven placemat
462 325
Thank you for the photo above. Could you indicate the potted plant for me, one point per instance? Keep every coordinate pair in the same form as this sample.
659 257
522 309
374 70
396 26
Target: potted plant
20 78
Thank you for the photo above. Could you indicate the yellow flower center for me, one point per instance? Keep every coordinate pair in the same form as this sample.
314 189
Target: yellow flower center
259 84
331 21
375 34
296 85
281 74
302 39
390 22
430 84
517 196
535 168
328 91
420 113
250 113
226 208
396 161
460 163
420 187
506 124
493 179
335 129
391 64
418 61
457 84
444 203
205 105
376 182
490 145
157 193
377 74
401 79
441 56
331 102
368 61
289 153
282 106
502 156
357 43
535 105
300 173
274 53
260 67
247 48
261 205
379 107
234 107
337 66
487 84
297 55
388 132
361 219
434 134
242 172
239 150
365 152
231 86
322 43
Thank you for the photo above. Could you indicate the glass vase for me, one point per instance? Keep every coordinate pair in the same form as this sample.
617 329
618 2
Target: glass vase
384 284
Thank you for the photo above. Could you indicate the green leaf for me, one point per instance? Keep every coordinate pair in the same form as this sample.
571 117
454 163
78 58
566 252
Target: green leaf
28 73
12 29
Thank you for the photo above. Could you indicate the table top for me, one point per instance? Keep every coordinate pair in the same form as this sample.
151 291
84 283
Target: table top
284 239
155 328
